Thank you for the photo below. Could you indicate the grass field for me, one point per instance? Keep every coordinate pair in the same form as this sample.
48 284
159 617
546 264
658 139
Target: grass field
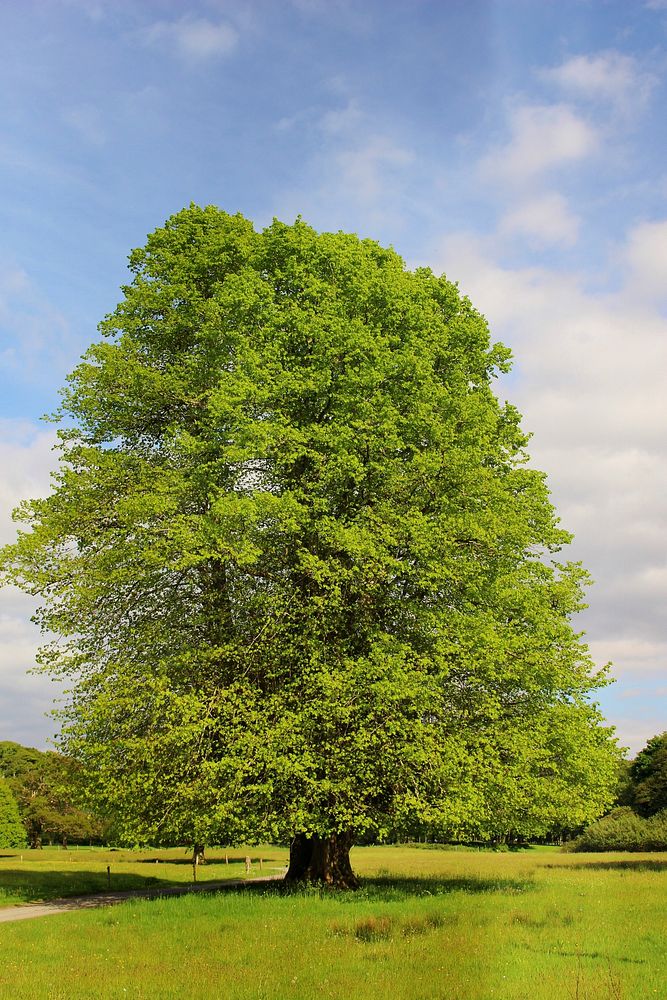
426 925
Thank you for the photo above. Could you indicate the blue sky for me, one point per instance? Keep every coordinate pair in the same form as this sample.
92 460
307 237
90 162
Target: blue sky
519 147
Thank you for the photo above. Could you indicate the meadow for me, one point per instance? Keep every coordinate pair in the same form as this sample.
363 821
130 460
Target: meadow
427 924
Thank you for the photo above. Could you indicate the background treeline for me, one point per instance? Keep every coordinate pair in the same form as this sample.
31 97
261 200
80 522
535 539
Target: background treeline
639 822
38 792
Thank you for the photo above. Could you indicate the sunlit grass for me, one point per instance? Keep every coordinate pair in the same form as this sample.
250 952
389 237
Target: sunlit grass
426 925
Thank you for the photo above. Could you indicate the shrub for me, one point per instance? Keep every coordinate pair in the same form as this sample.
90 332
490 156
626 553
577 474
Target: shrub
623 830
656 828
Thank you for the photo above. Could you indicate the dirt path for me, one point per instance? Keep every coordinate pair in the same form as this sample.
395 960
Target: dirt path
26 911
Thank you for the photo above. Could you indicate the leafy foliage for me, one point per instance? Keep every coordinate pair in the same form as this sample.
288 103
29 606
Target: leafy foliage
12 833
17 760
648 778
305 579
45 787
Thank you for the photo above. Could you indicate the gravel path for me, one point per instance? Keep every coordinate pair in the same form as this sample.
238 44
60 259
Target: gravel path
26 911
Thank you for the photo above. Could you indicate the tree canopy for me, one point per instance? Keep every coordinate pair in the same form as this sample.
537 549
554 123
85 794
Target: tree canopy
12 833
45 786
647 792
304 581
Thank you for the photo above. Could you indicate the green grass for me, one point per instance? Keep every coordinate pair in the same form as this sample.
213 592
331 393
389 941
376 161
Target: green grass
426 925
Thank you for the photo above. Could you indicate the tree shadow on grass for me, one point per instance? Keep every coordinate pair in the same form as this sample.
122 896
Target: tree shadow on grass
638 865
597 954
395 888
603 956
208 862
47 886
25 886
388 887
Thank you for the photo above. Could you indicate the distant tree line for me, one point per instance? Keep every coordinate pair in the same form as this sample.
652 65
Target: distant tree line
38 800
639 820
12 832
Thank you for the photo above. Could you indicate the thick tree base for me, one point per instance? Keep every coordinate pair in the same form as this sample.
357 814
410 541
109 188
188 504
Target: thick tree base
325 860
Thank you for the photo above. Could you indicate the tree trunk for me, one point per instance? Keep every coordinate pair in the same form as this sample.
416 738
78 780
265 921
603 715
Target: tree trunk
35 837
198 855
322 859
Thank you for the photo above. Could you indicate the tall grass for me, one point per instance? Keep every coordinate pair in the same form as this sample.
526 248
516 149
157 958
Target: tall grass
426 925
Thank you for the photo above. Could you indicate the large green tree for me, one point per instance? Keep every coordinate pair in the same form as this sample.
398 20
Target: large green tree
302 576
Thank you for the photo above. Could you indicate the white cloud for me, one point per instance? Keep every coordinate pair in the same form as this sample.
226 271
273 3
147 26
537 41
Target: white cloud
193 38
25 697
358 179
544 220
26 459
635 731
589 381
543 137
646 257
364 160
341 121
607 76
289 122
13 281
37 338
364 168
605 352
